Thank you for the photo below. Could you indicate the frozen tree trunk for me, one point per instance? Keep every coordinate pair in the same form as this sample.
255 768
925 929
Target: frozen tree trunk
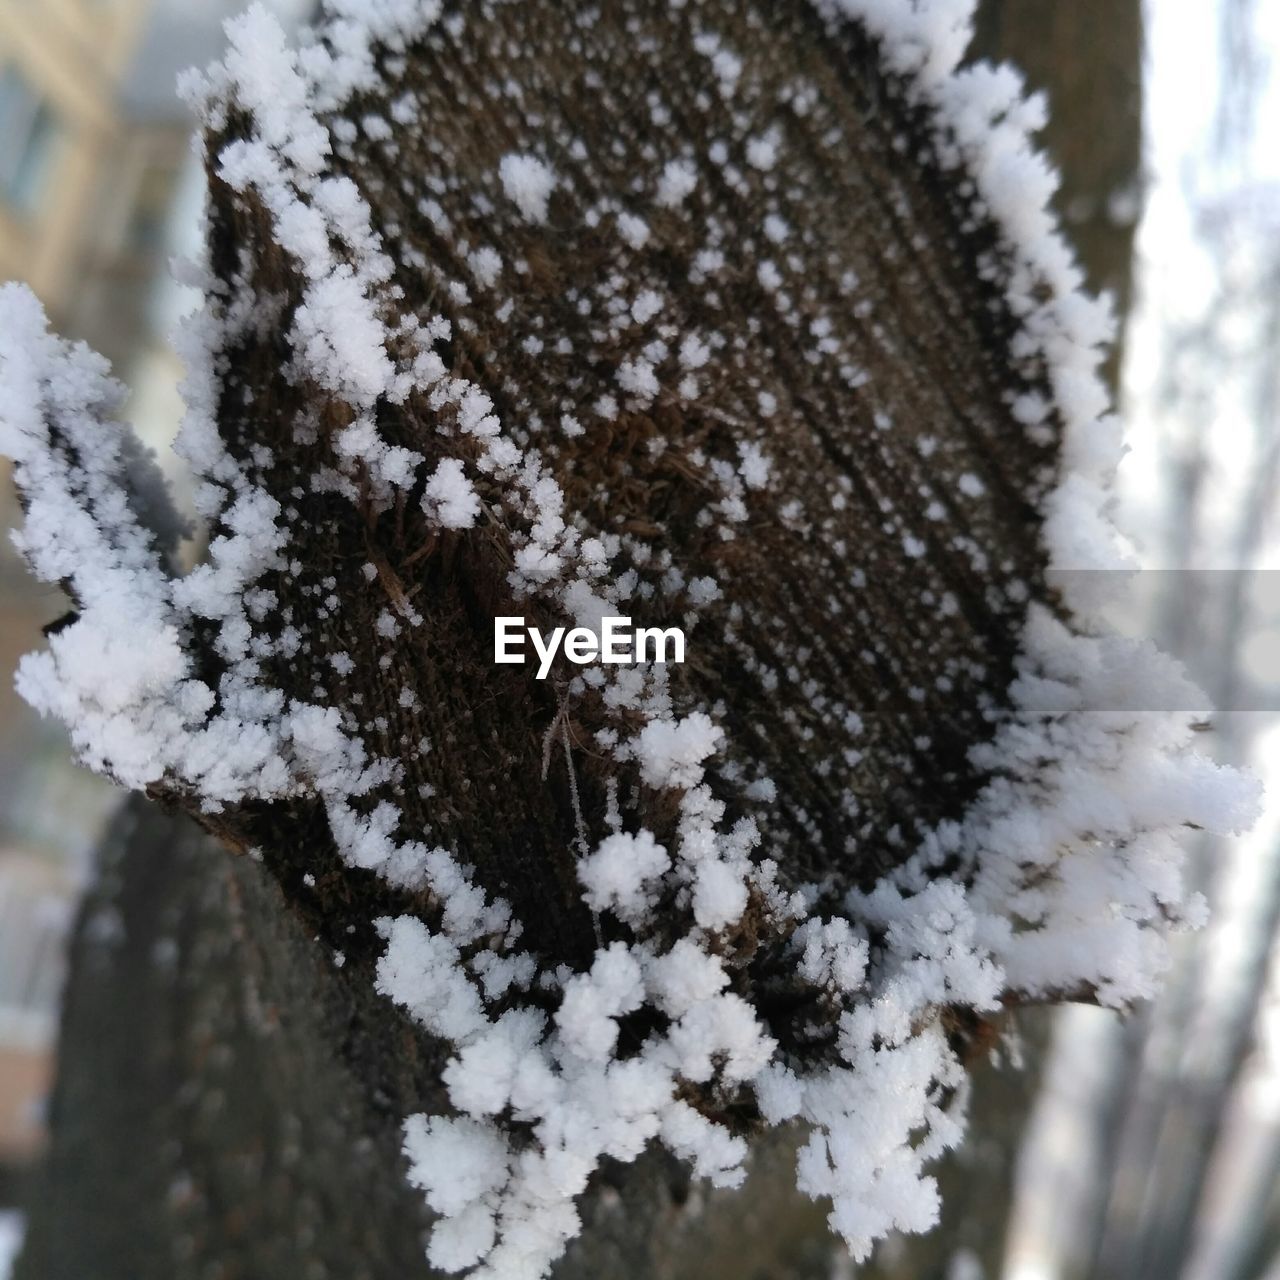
206 1120
230 1098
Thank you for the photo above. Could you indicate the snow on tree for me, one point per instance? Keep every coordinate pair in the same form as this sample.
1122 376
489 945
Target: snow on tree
746 319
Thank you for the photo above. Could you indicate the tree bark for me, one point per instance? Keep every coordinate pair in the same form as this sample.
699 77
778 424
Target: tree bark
1087 57
207 1121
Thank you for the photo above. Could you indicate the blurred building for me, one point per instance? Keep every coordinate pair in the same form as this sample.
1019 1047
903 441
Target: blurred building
86 175
90 158
99 187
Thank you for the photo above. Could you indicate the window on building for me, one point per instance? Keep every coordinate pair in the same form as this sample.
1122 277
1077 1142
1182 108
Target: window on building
149 217
29 135
34 923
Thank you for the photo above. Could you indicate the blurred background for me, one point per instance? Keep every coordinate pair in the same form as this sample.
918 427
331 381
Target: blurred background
1143 1148
99 189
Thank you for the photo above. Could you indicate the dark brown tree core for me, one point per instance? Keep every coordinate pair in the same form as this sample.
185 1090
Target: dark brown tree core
870 600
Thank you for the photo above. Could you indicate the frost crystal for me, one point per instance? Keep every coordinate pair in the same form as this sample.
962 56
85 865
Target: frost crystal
528 183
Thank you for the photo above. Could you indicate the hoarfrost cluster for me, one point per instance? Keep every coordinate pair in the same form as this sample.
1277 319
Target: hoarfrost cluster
1059 879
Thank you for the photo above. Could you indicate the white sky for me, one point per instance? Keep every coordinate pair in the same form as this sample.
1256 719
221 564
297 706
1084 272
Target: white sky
1175 276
